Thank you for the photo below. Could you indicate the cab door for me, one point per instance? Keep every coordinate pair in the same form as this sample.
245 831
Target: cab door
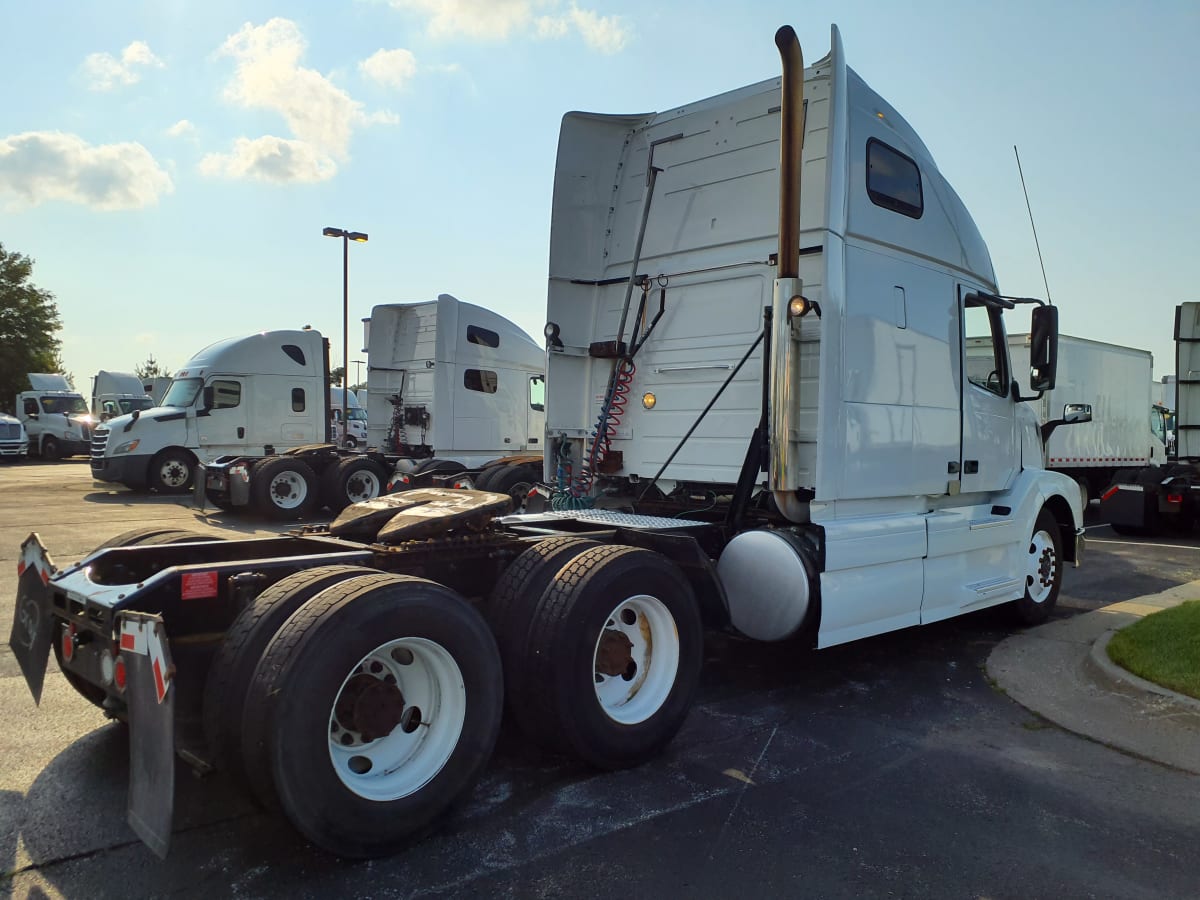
221 427
989 457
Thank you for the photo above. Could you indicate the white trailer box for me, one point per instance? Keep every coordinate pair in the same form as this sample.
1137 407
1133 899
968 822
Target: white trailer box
118 394
1115 380
452 379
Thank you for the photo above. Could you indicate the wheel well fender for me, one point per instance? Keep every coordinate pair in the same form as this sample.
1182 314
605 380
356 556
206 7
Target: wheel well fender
685 551
1058 507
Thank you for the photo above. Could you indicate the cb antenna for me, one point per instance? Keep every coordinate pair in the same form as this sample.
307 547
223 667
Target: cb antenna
1031 225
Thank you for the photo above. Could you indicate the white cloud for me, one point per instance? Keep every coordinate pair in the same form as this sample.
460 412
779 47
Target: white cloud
38 166
106 72
604 33
269 158
391 68
182 128
268 75
498 20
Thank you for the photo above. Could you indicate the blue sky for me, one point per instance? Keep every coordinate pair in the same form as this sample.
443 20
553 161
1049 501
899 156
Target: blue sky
170 165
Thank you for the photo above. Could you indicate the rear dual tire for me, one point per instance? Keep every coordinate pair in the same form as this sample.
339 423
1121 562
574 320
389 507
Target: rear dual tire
375 707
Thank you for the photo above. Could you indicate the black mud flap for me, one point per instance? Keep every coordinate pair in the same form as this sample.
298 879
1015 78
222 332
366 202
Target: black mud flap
150 697
33 626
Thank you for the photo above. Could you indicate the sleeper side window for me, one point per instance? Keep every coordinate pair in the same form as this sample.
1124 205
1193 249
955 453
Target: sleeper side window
893 180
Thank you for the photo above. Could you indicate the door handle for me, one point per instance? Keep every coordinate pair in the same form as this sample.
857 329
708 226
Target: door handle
241 432
970 467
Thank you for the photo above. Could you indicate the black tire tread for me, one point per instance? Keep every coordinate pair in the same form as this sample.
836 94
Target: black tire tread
260 696
237 657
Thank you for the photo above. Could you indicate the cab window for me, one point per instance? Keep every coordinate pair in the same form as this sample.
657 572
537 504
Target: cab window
986 356
226 394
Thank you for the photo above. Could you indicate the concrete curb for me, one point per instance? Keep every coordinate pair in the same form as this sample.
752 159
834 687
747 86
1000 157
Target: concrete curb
1119 676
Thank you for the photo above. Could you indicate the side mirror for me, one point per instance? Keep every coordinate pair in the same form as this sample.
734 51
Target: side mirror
1076 413
1043 348
209 397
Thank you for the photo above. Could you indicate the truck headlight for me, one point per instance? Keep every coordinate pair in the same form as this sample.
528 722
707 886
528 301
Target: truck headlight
127 447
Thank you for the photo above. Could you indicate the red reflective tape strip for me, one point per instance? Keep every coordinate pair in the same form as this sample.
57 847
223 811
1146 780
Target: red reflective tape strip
45 576
128 642
160 686
1112 490
20 567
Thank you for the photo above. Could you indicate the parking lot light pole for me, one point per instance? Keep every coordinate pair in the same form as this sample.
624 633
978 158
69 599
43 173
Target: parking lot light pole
359 237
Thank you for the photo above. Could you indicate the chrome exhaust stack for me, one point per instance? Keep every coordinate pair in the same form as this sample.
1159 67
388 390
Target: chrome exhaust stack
783 452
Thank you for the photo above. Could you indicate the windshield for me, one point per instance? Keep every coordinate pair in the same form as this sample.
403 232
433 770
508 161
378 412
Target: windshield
182 392
129 405
64 405
356 414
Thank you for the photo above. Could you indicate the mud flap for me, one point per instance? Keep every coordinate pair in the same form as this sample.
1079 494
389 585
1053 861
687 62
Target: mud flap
151 703
33 625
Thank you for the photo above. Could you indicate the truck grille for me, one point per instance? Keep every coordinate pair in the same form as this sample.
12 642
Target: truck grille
99 442
9 431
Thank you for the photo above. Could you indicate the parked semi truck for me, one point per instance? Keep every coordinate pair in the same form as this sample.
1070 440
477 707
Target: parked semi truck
444 370
55 416
786 258
1167 497
355 414
455 390
1126 430
117 394
14 442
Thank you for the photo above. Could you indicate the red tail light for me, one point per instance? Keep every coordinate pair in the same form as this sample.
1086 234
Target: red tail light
1174 498
68 643
119 674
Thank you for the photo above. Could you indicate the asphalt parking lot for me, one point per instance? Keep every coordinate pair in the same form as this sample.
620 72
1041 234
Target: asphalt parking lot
887 766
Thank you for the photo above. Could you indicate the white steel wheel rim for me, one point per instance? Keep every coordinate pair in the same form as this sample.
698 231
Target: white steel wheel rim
1043 567
417 748
362 485
288 490
638 692
173 473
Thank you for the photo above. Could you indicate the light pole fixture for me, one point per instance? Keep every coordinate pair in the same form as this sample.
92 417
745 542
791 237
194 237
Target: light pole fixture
359 237
358 372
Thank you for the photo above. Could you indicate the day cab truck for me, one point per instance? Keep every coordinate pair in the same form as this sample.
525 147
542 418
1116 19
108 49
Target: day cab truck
455 390
55 416
1126 430
1166 496
760 419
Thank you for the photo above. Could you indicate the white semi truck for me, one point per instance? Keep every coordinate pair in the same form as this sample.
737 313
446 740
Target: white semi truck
454 389
1126 430
117 394
14 442
760 418
355 414
55 416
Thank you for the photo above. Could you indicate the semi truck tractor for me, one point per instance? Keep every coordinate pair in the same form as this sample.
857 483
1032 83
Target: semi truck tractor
455 389
1166 497
445 376
55 416
14 442
117 394
1126 430
761 419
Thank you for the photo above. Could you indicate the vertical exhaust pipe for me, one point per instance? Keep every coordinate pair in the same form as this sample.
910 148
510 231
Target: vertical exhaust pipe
783 461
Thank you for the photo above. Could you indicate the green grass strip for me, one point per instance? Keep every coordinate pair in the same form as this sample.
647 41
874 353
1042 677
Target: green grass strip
1164 647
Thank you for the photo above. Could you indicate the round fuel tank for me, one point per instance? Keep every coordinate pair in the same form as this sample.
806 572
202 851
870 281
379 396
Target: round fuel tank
767 576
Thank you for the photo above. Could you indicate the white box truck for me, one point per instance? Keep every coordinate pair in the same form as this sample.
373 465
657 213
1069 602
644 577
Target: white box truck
1126 430
782 441
55 416
117 394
